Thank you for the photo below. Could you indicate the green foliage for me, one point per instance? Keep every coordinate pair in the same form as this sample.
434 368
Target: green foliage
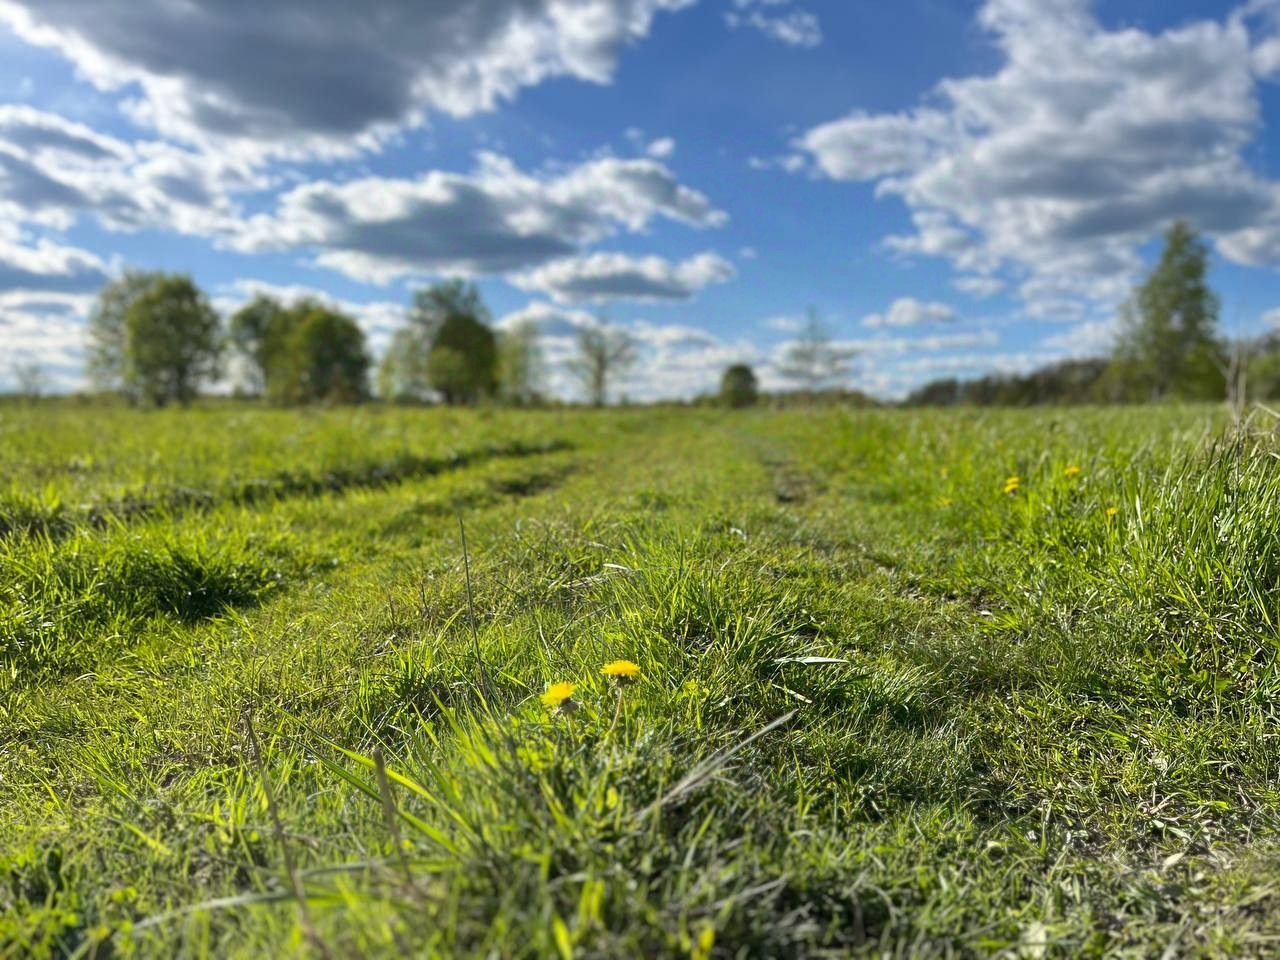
107 354
253 332
1066 382
313 353
446 346
1263 380
172 339
1169 342
463 363
403 373
329 360
520 370
738 386
885 707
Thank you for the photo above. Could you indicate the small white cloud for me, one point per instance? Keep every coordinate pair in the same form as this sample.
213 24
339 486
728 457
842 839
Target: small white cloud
661 148
615 276
909 312
795 28
979 287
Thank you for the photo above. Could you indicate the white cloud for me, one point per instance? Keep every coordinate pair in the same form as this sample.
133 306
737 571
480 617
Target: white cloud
795 28
495 220
301 76
45 328
1081 147
910 312
615 276
978 286
44 266
661 148
1093 338
53 170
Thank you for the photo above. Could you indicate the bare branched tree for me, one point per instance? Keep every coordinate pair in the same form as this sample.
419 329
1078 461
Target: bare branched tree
29 378
603 352
812 361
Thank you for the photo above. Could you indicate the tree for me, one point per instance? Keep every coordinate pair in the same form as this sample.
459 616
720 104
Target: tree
519 364
107 350
738 386
452 310
403 374
330 361
1169 343
322 356
463 363
603 351
172 341
29 378
253 333
812 361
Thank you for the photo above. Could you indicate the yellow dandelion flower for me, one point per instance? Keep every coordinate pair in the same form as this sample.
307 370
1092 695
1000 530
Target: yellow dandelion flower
1071 471
1012 484
558 694
1112 511
623 671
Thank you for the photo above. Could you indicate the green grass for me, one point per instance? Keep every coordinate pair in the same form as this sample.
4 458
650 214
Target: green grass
885 708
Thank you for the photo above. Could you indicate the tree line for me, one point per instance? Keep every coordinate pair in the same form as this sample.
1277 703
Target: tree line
1169 347
157 339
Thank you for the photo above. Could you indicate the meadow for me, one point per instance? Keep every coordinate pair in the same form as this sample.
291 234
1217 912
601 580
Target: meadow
910 683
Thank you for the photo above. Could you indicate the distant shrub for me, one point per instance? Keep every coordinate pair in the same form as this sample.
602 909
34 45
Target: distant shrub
738 386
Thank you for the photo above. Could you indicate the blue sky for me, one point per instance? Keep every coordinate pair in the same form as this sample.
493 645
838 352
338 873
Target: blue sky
957 187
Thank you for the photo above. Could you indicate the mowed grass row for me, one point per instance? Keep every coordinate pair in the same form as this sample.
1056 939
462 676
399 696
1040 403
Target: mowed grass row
65 465
890 701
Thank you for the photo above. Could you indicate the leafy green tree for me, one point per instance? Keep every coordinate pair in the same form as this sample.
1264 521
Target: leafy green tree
317 354
431 309
738 386
603 351
519 364
463 363
107 349
253 332
172 340
402 373
1169 343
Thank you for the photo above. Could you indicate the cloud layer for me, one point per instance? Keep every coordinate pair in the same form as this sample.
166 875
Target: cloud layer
495 220
319 76
599 277
1084 145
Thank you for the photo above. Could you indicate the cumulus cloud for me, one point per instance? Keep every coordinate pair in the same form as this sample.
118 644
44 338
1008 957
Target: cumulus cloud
45 267
53 171
326 76
617 276
910 312
1082 146
495 220
795 28
978 286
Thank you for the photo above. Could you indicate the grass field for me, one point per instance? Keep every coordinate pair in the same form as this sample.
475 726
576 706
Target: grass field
890 701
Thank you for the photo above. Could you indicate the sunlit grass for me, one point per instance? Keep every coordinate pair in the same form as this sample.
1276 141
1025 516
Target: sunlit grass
747 684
